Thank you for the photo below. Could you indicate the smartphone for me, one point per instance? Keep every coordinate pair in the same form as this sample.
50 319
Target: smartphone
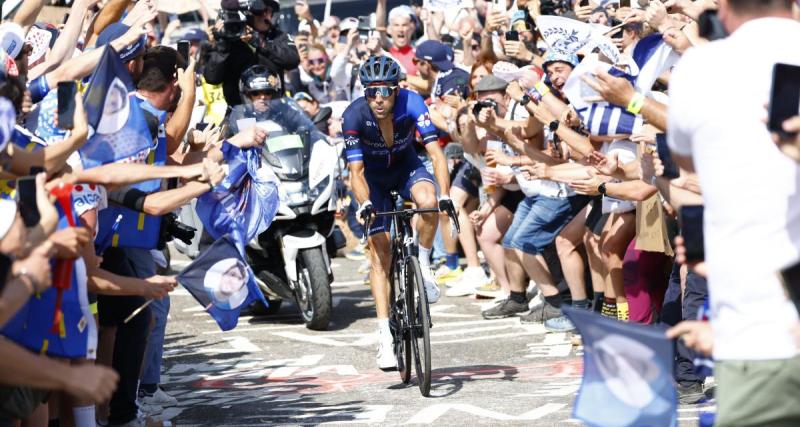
26 200
583 3
691 221
791 281
201 126
710 27
784 99
183 49
624 3
66 16
671 170
66 104
512 36
618 34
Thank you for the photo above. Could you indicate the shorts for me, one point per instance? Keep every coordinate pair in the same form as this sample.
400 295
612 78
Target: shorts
19 402
401 178
512 199
596 220
467 178
538 221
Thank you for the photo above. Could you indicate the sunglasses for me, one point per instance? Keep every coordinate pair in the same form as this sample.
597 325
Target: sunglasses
317 61
266 92
384 91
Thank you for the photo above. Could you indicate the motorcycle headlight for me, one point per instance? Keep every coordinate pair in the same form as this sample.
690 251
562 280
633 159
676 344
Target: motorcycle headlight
319 188
296 191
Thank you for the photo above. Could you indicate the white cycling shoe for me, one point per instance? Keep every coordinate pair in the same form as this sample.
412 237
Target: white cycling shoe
431 288
386 358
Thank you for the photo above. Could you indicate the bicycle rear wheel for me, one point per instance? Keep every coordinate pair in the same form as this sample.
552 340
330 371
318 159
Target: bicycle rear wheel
399 324
419 318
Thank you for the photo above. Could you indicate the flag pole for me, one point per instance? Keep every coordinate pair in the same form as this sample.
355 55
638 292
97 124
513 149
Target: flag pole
327 10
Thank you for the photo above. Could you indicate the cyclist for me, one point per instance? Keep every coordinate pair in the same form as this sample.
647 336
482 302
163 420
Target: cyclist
380 131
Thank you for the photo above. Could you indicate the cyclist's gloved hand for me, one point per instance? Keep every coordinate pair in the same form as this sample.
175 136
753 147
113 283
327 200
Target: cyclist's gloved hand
366 211
446 205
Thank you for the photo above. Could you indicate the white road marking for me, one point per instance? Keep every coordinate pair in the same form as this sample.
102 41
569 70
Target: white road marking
430 414
180 292
348 283
361 414
193 309
260 328
242 344
487 337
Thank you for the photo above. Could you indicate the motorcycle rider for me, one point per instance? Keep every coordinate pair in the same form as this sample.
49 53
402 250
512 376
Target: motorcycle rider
260 87
260 42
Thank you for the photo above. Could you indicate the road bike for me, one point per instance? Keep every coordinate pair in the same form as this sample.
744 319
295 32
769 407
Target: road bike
409 317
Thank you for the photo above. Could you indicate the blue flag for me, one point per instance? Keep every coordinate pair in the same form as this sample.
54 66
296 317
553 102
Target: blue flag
244 204
222 282
118 129
627 373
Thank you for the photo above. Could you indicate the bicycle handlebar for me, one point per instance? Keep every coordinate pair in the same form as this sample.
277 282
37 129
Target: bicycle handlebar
455 229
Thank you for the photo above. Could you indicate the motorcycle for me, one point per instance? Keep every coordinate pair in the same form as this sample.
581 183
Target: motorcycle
291 259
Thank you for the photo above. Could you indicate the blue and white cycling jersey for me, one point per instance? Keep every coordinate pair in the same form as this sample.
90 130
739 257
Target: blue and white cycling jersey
364 141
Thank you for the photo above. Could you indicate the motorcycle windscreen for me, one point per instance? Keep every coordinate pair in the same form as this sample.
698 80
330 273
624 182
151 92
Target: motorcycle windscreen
286 154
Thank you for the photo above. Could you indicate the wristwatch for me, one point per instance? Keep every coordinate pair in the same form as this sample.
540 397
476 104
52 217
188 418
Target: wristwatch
554 125
602 189
525 100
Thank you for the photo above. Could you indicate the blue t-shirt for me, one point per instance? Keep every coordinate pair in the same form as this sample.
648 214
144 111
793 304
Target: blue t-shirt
364 141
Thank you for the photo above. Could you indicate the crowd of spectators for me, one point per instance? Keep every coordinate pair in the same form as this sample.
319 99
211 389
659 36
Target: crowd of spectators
559 201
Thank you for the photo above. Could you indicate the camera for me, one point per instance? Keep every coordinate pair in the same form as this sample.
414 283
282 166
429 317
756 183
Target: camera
364 27
234 25
555 7
486 103
171 228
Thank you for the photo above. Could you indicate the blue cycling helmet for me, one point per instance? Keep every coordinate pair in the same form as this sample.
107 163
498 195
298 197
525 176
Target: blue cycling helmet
555 56
379 69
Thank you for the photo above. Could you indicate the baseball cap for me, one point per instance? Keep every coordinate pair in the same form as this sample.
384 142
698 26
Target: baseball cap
436 52
39 40
348 24
303 96
490 83
115 31
192 34
12 38
518 21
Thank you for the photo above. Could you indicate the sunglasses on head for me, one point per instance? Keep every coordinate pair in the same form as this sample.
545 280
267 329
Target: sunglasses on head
317 61
384 91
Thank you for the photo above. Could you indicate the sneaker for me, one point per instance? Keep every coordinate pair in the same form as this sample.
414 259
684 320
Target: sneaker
364 267
386 359
150 409
541 314
489 290
431 289
505 309
690 392
462 289
474 275
559 324
357 254
160 398
445 275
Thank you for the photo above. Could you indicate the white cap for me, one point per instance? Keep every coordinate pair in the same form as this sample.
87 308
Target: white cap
348 24
12 38
8 213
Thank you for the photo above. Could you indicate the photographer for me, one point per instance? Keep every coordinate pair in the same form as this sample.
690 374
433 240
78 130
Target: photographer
246 36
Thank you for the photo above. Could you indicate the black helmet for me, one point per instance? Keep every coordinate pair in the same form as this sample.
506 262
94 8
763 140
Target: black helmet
379 69
259 78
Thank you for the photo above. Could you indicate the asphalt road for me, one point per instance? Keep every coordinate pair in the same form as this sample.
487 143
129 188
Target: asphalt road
274 371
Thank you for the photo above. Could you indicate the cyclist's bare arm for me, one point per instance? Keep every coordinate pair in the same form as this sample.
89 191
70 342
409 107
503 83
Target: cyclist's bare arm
359 182
439 167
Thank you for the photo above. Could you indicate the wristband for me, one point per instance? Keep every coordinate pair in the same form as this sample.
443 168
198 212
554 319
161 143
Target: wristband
636 104
541 88
525 100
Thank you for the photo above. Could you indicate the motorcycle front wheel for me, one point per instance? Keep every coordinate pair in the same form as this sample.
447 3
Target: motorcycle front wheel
314 293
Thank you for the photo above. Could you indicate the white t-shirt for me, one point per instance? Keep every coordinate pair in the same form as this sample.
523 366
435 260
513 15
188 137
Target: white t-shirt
626 152
750 189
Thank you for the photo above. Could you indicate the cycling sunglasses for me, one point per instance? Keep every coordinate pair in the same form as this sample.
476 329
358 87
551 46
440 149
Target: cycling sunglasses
267 92
384 91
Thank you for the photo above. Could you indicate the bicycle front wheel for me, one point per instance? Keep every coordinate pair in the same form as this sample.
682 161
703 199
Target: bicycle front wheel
399 324
419 317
